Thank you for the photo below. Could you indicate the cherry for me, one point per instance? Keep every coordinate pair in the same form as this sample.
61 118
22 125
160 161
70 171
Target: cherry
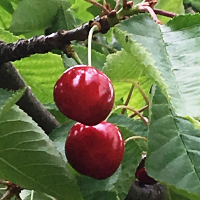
95 151
84 94
142 175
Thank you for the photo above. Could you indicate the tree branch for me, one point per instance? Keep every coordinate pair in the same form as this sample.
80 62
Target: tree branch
43 44
10 79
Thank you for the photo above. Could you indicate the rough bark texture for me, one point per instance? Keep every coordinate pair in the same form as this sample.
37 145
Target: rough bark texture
43 44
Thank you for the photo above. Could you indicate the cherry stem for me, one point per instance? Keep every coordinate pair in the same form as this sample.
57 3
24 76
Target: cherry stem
117 5
148 9
141 110
135 138
165 13
106 11
76 58
71 53
142 93
94 28
32 194
133 110
4 182
124 4
128 98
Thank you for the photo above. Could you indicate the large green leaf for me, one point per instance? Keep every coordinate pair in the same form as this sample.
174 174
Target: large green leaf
5 18
41 73
128 67
135 126
136 101
63 20
32 15
7 36
80 10
8 99
38 196
59 136
130 127
29 158
7 6
174 48
174 148
122 67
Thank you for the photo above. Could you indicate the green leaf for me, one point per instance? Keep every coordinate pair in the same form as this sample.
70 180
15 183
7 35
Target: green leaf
102 196
7 36
90 187
29 158
124 33
174 147
135 126
122 67
130 127
63 20
81 12
5 18
8 99
41 73
59 136
53 109
174 193
7 6
32 15
194 122
98 59
39 196
175 72
137 100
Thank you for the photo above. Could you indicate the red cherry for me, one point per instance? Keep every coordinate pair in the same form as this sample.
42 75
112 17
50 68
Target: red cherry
144 178
95 151
142 175
84 94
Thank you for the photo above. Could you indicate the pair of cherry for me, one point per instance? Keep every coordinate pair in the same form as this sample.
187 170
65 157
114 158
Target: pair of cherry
93 147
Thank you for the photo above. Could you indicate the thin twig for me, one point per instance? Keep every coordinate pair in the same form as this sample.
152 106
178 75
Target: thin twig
128 98
99 5
142 93
135 111
135 137
165 13
141 110
151 12
117 4
124 4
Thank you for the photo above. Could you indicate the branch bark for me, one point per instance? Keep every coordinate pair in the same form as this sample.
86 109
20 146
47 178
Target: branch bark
43 44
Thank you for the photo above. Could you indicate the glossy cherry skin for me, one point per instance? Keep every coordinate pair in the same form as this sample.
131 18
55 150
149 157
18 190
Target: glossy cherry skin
144 178
142 175
84 94
95 151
